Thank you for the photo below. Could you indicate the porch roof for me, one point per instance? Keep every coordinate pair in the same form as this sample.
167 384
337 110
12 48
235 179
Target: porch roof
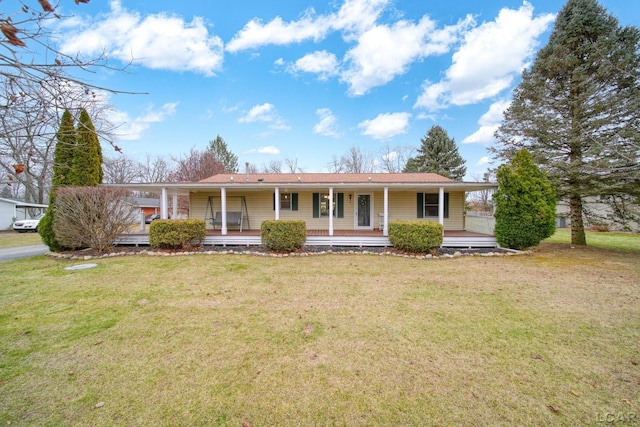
311 181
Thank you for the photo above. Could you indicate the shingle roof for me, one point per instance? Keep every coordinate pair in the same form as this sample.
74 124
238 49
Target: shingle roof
329 178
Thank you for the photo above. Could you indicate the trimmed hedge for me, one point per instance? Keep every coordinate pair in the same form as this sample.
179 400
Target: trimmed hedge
177 233
415 236
283 235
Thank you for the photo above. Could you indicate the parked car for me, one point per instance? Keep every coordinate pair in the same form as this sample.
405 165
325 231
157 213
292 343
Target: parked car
24 225
149 218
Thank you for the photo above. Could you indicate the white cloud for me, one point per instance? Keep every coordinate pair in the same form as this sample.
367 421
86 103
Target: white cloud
323 63
269 150
260 113
386 126
403 43
353 16
132 129
488 60
265 113
264 150
328 124
158 41
483 161
489 123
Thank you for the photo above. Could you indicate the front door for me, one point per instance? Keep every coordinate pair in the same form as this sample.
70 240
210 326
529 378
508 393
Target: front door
363 212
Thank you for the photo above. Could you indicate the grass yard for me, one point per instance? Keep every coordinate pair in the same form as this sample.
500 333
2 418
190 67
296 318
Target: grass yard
10 239
621 241
550 338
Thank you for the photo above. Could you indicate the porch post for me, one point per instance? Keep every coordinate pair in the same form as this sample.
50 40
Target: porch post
441 206
385 226
223 208
174 214
164 214
277 196
330 211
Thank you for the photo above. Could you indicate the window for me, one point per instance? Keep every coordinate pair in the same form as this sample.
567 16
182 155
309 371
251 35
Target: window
324 204
321 205
431 204
288 201
428 205
285 201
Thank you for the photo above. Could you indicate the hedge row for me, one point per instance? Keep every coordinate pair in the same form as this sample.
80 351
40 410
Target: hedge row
177 234
415 236
282 235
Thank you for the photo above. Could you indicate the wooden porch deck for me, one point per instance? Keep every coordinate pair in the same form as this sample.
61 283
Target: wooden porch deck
361 238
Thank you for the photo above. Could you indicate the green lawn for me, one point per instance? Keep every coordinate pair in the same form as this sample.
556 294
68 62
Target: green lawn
549 338
10 239
621 241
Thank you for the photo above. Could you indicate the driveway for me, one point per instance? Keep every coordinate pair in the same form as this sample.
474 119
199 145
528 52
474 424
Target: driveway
7 254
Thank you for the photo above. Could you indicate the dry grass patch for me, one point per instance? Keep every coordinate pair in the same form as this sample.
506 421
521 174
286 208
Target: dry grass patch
550 338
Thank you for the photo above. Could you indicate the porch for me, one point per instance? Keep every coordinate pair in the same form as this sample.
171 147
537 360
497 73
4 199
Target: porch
359 238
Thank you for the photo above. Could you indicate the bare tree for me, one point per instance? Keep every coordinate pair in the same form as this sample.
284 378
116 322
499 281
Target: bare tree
37 83
195 166
292 165
26 67
274 166
28 129
353 161
155 169
393 160
92 217
120 169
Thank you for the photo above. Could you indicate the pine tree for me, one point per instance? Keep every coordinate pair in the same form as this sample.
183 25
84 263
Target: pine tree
87 160
577 109
62 166
219 148
438 154
525 204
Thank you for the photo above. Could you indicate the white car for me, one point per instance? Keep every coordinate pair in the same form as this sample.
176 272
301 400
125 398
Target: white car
24 225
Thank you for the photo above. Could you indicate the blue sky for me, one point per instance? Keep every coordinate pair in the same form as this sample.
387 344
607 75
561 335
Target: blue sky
310 79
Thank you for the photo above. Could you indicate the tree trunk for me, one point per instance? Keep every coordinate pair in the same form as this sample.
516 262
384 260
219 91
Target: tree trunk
577 225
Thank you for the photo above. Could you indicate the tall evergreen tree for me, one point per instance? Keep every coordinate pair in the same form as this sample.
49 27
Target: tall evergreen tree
525 203
64 151
577 110
219 147
87 160
63 155
438 154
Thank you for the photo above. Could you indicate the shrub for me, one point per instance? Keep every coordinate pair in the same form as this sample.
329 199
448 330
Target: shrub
45 229
91 217
177 234
415 236
283 235
525 204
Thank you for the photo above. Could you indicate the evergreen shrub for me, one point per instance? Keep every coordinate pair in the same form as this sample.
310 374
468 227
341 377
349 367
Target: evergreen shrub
415 236
283 235
177 234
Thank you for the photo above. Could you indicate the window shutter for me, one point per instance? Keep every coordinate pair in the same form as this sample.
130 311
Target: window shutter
420 208
294 201
316 205
340 205
446 205
274 201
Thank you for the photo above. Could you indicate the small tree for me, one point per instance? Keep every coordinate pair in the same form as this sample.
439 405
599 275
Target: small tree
438 154
525 204
92 217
